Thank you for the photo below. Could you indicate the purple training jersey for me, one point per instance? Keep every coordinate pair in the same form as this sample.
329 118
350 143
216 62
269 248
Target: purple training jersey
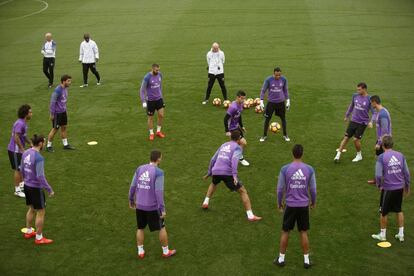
225 160
58 100
391 171
33 170
383 123
234 111
296 180
360 107
278 89
19 127
151 87
147 188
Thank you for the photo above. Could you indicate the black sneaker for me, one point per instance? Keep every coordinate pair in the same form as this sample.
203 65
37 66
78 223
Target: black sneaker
50 149
276 262
68 147
306 266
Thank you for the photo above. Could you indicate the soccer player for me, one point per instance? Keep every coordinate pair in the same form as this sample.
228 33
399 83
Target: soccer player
393 179
278 101
223 167
34 183
16 146
151 98
360 107
58 114
233 121
383 124
89 56
146 196
296 181
49 54
215 61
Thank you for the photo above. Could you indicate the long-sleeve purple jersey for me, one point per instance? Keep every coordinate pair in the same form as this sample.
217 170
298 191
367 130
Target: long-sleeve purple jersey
383 123
147 188
296 180
58 100
33 170
391 171
360 108
225 160
19 127
234 121
151 88
278 89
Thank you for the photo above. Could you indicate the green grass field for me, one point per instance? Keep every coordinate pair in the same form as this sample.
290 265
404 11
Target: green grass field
324 47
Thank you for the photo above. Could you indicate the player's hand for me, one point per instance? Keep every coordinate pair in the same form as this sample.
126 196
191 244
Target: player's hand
163 214
243 129
370 125
51 194
96 59
287 104
377 147
51 117
206 177
280 208
144 105
261 104
407 192
345 119
313 206
228 133
235 180
132 205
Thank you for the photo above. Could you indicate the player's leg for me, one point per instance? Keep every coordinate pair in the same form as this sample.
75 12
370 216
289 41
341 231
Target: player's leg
384 209
96 73
166 252
211 79
15 160
85 69
140 242
287 225
39 204
302 218
246 203
284 241
151 126
30 233
243 145
220 79
141 217
270 108
45 69
210 191
280 111
50 137
161 113
305 246
357 143
400 220
63 122
51 71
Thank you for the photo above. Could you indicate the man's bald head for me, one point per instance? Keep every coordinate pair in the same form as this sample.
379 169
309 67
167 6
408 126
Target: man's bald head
215 47
48 36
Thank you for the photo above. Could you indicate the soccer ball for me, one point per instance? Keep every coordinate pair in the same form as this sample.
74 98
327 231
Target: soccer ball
257 101
274 127
246 105
250 101
258 109
217 102
226 103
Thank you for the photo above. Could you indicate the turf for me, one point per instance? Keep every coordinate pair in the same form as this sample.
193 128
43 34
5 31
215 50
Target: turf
324 48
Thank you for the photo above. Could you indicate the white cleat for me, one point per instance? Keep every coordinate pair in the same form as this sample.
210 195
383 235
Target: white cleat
19 194
204 102
337 157
357 158
378 237
287 139
399 237
98 83
83 85
263 138
244 162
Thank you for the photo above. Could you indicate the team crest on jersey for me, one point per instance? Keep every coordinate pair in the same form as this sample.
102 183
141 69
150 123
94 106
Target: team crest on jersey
298 175
144 177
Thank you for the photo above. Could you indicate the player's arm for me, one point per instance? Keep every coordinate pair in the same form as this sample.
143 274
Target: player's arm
96 51
43 50
212 162
226 122
208 58
312 189
223 58
383 123
53 100
379 172
54 47
406 177
286 94
159 191
81 53
241 122
143 92
265 87
132 190
18 141
235 163
40 174
350 109
281 184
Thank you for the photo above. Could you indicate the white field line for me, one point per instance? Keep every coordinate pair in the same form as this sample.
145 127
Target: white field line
45 6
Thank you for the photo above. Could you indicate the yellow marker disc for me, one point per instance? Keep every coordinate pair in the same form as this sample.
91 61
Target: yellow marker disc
92 143
24 230
384 244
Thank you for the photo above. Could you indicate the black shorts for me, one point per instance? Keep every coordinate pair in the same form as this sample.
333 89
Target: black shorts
239 129
379 151
154 105
278 108
300 215
228 180
391 201
15 160
151 218
355 129
60 119
35 197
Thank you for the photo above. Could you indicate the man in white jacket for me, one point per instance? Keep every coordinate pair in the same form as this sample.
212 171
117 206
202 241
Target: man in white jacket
215 61
88 56
49 54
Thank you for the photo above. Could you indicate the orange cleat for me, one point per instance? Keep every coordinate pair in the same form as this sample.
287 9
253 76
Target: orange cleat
255 218
43 241
204 206
141 256
151 137
160 134
29 235
171 253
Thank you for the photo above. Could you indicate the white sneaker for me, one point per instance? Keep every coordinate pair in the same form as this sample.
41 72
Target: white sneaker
337 157
378 237
19 193
263 138
357 158
98 83
287 139
244 162
83 85
204 102
399 237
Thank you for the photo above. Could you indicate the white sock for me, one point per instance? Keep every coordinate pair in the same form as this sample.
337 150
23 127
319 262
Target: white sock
158 128
17 189
206 200
21 184
241 158
401 231
359 153
65 141
383 232
250 214
151 131
141 249
49 144
39 236
338 154
165 250
29 230
281 258
306 258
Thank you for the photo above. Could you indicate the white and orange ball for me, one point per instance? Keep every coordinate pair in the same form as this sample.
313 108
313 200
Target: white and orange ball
226 103
274 127
257 101
258 109
217 102
246 105
250 101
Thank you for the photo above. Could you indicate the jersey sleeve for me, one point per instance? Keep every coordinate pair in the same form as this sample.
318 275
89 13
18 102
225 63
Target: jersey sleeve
237 154
143 90
265 87
281 184
312 185
212 162
40 173
379 171
159 189
285 88
132 188
350 107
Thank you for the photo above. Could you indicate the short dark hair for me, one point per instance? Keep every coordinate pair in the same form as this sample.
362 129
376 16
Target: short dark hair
65 77
387 142
277 69
155 155
375 99
37 139
241 93
362 85
297 151
155 65
85 36
23 111
235 135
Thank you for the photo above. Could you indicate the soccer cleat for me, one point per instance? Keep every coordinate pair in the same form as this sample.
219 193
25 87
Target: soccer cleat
378 237
337 157
84 85
244 162
43 241
204 206
29 235
141 256
151 137
170 253
307 265
20 194
68 147
399 237
204 102
254 218
287 139
357 158
50 149
160 134
276 262
263 138
98 83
